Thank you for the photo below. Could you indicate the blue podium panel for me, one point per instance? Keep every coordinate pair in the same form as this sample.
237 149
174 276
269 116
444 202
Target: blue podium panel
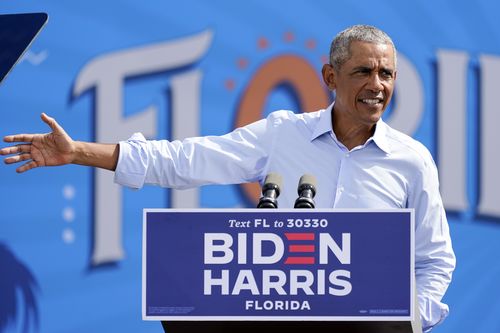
266 264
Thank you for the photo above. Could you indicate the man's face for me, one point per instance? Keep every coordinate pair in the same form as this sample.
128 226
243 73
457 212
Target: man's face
364 83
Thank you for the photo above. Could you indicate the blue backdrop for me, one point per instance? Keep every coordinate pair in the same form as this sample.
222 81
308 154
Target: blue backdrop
70 242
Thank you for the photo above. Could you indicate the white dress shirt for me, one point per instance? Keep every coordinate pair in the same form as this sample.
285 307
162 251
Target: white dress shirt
391 170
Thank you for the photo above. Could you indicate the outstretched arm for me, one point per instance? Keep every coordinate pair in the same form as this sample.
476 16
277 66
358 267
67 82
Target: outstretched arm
57 148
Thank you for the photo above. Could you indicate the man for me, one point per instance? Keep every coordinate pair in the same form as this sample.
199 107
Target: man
360 162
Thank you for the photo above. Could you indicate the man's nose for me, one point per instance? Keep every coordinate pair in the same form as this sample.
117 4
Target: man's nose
375 83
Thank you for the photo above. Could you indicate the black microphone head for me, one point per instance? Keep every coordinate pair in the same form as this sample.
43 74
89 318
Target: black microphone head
273 181
266 202
307 182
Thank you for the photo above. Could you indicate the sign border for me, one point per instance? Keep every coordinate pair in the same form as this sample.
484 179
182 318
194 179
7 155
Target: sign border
410 317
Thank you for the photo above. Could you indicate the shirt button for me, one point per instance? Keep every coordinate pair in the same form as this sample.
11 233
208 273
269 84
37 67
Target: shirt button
348 155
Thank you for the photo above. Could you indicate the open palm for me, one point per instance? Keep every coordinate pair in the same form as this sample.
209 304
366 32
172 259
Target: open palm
50 149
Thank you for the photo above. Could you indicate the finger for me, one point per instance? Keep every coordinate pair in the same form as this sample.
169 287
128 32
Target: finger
51 122
17 158
15 149
26 167
19 138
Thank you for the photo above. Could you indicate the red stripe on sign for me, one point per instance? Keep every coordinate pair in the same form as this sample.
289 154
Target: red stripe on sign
299 261
301 248
299 236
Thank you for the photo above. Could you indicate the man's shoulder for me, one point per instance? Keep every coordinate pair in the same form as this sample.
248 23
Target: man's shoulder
300 120
293 116
411 148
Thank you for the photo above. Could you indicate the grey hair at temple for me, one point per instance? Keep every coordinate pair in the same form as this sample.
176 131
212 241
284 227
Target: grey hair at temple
340 50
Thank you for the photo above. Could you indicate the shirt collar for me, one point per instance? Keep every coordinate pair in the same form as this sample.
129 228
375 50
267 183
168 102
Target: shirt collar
324 125
380 136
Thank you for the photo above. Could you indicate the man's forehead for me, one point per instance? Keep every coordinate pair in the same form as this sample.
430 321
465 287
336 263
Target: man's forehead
371 54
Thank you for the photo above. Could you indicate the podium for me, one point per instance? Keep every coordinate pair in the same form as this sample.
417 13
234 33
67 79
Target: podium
299 270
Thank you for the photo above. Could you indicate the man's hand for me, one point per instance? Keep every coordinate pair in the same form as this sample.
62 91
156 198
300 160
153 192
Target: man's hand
50 149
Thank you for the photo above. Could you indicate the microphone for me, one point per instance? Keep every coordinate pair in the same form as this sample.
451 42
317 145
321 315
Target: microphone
270 191
306 191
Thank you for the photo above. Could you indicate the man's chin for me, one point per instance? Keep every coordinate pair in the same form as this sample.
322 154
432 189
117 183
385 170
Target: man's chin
373 112
373 117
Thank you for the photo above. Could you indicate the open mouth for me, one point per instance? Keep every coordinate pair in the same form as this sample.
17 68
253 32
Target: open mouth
371 101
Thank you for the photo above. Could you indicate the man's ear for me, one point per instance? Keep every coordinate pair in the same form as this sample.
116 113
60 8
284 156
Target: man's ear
329 76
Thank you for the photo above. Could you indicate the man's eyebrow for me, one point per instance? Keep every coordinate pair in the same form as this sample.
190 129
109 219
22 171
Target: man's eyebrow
362 68
365 68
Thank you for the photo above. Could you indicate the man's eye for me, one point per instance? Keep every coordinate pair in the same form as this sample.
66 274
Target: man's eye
362 71
387 74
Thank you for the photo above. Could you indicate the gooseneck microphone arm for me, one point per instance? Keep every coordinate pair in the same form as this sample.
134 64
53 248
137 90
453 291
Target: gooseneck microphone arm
306 191
270 191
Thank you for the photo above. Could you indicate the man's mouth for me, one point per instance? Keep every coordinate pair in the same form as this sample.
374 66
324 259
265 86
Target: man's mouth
371 101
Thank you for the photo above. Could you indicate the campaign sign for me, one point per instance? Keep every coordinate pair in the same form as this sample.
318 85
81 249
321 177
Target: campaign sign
273 264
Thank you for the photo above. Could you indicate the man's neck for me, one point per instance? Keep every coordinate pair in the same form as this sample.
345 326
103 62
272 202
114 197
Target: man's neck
349 132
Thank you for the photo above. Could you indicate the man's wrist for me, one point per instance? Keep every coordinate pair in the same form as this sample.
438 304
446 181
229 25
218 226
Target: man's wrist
98 155
79 153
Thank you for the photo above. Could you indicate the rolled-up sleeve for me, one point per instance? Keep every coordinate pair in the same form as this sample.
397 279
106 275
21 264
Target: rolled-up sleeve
434 256
132 162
